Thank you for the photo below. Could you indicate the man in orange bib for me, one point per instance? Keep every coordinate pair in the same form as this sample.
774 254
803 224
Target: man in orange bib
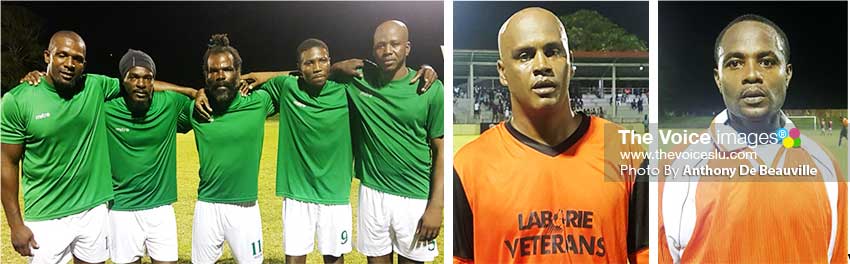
779 200
544 186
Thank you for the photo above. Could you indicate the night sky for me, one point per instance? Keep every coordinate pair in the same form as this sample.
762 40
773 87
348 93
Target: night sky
476 24
266 34
818 38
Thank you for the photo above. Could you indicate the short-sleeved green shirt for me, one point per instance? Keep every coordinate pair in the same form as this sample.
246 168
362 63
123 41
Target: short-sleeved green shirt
143 151
229 148
65 167
393 126
314 159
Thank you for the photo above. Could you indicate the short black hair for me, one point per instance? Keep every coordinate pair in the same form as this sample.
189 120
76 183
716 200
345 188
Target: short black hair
221 43
757 18
309 44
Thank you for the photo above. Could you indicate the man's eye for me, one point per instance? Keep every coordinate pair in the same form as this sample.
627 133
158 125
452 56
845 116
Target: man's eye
734 64
525 56
767 63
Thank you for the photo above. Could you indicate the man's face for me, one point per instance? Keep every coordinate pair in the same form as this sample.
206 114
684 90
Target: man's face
391 47
535 63
65 61
138 85
222 77
751 72
315 64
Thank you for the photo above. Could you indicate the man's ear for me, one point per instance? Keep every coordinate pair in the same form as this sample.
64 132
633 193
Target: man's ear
788 73
47 57
501 68
717 79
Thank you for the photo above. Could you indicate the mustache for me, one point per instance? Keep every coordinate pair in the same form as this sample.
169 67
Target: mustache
215 85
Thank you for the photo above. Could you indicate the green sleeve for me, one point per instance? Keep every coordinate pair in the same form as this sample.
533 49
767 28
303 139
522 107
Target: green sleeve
111 88
265 99
184 118
13 125
275 87
182 104
435 111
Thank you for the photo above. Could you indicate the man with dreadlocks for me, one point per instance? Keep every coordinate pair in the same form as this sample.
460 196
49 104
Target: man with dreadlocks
229 148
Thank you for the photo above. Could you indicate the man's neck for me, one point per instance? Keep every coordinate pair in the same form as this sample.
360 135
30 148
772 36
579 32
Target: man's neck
313 90
396 75
549 129
49 81
766 125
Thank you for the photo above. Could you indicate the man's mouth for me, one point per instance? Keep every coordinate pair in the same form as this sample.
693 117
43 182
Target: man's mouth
140 93
66 75
544 87
753 96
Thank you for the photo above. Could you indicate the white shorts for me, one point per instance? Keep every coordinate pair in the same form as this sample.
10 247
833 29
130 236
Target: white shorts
304 221
132 232
239 225
387 223
83 235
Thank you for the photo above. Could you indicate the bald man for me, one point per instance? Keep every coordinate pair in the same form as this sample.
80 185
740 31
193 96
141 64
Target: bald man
59 126
539 187
397 132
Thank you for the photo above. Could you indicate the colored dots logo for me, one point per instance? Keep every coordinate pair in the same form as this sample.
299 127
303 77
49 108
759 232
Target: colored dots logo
790 138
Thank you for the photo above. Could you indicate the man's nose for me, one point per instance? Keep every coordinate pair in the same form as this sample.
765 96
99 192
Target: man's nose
541 65
752 74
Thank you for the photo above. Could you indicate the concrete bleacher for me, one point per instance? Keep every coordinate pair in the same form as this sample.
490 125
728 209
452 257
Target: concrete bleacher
625 113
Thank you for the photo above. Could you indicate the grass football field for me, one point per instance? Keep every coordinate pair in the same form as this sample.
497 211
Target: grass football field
270 206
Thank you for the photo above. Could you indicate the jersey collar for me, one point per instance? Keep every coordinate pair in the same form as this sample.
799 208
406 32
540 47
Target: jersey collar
556 150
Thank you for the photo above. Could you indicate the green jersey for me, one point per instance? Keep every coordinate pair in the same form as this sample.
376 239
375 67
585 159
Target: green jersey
393 126
143 151
65 167
229 148
314 158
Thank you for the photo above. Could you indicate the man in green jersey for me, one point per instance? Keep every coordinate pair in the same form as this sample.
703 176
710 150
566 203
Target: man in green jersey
398 144
142 148
314 157
229 149
57 131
